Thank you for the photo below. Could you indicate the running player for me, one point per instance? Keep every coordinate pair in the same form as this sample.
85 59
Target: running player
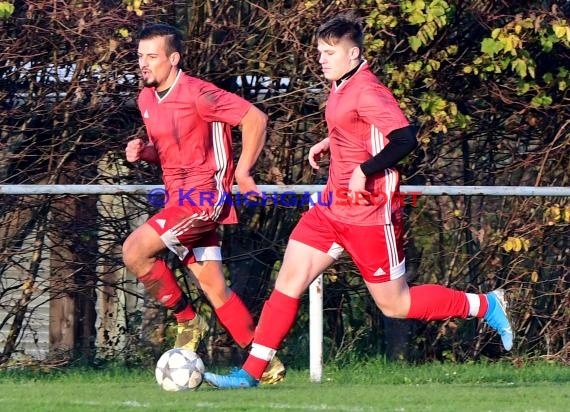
188 122
367 136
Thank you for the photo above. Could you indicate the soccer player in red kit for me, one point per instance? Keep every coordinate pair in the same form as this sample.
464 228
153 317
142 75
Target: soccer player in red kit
188 123
367 136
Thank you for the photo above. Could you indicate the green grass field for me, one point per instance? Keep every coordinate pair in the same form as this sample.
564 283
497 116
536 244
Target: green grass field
371 386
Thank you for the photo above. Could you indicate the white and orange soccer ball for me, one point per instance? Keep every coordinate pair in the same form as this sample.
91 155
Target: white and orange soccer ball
179 370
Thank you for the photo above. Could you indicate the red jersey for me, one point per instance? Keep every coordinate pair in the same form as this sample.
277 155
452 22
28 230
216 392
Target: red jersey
190 128
360 113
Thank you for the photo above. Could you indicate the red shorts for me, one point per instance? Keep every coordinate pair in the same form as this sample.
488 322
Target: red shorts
189 232
377 251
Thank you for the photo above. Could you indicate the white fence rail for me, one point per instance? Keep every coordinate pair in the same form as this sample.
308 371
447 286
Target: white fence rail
280 189
316 288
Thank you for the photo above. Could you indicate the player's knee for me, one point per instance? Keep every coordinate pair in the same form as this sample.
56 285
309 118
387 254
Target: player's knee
396 314
130 256
127 259
392 309
293 282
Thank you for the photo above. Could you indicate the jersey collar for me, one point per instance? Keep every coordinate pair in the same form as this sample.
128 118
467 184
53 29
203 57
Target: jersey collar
338 83
160 99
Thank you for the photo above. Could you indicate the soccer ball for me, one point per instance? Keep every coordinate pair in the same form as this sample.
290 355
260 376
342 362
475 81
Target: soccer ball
178 370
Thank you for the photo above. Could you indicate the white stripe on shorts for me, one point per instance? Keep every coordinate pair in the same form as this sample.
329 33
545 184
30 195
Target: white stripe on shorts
207 253
172 243
397 268
335 251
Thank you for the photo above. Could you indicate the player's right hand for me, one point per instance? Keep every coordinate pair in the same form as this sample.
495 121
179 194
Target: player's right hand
134 150
317 151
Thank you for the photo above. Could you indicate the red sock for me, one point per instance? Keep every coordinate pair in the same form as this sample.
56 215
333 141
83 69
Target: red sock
162 285
435 302
236 319
186 314
276 321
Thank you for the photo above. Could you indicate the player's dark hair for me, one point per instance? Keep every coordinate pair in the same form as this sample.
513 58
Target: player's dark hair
173 36
343 26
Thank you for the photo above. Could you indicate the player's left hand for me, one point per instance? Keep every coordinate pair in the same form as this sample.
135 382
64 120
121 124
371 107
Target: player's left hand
357 187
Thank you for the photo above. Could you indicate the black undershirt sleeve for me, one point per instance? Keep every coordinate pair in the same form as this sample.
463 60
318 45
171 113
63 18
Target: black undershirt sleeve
402 142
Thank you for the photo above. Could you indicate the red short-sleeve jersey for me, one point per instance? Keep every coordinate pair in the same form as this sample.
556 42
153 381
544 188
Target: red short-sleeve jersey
360 114
190 130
